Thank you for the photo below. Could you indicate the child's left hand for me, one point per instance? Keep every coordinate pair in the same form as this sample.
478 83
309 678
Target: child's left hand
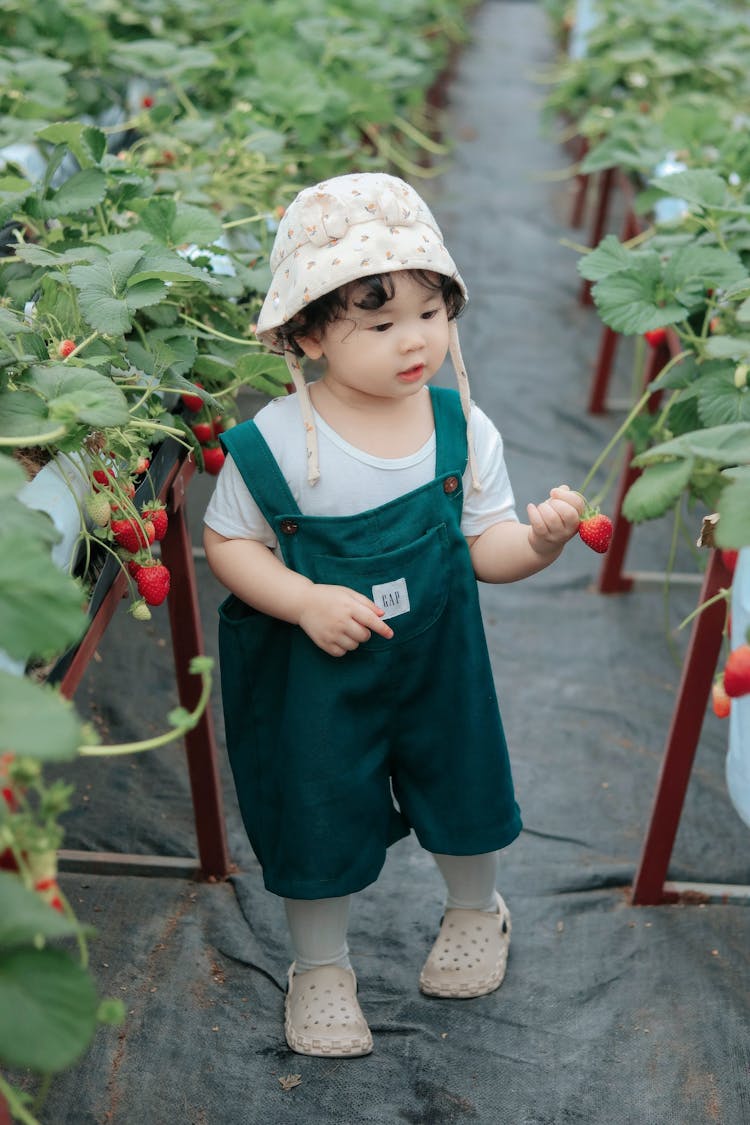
555 521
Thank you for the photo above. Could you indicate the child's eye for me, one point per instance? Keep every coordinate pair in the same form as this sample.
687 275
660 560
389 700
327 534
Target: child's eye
381 327
429 314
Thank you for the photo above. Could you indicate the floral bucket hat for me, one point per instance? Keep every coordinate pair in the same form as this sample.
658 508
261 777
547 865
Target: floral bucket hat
336 232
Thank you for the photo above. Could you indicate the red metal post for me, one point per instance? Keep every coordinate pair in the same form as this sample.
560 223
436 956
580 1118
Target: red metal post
687 720
605 185
187 642
581 185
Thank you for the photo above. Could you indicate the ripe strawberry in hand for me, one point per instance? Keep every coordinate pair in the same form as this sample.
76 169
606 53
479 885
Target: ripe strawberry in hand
737 672
595 529
153 583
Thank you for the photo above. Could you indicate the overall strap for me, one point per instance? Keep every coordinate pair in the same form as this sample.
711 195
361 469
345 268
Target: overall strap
259 470
452 449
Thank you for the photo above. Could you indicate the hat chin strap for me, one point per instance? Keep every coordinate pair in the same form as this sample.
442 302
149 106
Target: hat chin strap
462 379
308 418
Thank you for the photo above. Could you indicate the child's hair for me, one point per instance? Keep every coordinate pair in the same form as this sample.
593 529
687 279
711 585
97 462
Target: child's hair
373 292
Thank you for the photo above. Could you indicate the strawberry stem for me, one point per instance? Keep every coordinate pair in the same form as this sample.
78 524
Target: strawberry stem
723 595
623 428
187 723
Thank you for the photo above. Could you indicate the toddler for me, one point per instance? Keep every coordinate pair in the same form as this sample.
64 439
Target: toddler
350 523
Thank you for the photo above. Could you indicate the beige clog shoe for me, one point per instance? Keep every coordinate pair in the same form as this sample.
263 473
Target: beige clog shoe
323 1016
469 955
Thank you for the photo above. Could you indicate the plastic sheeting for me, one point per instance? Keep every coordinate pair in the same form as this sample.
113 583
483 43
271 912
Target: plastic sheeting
610 1014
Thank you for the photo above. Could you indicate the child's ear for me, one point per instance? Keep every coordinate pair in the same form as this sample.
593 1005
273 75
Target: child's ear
311 346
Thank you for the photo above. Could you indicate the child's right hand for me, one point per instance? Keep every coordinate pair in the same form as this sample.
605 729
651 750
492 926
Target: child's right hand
338 619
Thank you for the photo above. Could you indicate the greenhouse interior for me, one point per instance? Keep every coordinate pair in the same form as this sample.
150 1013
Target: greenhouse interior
565 183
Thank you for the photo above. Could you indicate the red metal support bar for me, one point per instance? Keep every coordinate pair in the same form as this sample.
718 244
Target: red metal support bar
582 181
682 741
611 579
605 184
187 642
608 339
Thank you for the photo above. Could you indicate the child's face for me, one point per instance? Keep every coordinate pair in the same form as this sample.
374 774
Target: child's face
390 352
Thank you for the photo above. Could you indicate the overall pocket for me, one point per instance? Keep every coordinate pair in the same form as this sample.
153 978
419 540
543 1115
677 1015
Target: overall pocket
411 583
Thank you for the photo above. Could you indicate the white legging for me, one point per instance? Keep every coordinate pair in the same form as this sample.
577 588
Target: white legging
318 927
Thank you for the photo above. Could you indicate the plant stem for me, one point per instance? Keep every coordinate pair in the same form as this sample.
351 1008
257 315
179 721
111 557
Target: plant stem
35 439
216 332
15 1105
723 595
187 724
81 346
630 418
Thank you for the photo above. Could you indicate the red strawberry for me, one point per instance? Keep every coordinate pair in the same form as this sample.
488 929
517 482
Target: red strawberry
131 535
217 425
595 529
203 431
102 478
737 672
193 402
156 514
720 701
65 347
213 459
656 337
142 464
153 583
147 101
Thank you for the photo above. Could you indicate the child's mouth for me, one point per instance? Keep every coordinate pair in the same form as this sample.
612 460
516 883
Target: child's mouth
413 374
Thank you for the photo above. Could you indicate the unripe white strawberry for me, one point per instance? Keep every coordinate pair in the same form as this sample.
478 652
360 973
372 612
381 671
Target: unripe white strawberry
99 508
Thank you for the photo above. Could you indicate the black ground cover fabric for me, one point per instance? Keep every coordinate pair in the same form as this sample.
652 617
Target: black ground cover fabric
610 1014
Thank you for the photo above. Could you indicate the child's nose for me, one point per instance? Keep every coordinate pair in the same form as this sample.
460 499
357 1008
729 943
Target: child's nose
412 338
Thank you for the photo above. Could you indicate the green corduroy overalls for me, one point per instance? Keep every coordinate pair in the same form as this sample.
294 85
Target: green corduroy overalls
320 745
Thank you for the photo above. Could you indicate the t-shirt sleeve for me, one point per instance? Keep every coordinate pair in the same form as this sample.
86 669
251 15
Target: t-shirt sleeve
495 502
232 511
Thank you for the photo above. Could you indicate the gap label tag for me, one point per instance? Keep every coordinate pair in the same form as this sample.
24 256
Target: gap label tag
393 597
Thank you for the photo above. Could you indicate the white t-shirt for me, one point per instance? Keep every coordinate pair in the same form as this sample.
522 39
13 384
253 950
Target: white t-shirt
351 480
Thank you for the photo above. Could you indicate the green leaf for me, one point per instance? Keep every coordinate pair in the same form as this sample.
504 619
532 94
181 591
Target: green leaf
723 445
656 490
83 190
631 301
727 347
720 401
80 394
701 187
610 256
87 144
41 608
733 529
54 732
48 1008
102 287
143 293
692 270
176 224
26 919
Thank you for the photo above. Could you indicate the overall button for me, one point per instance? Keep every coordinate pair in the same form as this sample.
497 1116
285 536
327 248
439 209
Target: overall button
289 527
450 484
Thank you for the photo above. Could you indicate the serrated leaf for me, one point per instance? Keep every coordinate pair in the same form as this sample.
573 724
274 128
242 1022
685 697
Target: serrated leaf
656 490
723 445
83 190
48 1007
87 143
700 187
101 286
610 256
160 262
727 347
677 375
41 610
733 529
94 397
629 301
720 401
691 270
147 292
